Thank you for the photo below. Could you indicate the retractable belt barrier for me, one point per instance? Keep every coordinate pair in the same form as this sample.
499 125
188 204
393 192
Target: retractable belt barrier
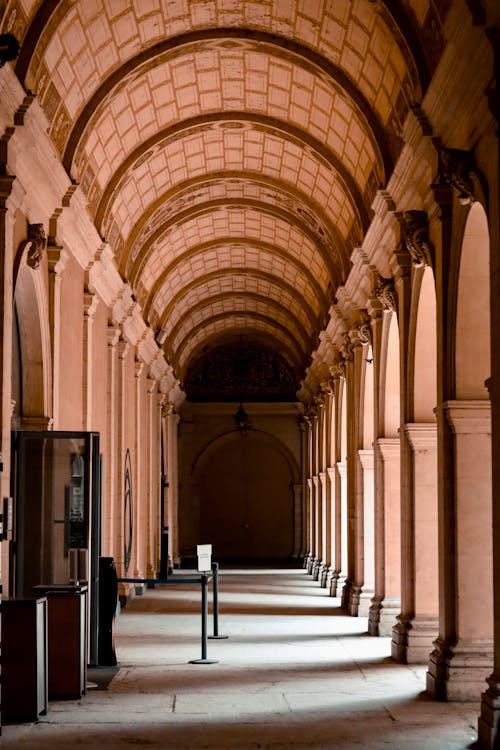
203 580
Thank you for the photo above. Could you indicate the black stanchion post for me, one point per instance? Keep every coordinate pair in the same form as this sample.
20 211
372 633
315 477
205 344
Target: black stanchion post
215 573
204 618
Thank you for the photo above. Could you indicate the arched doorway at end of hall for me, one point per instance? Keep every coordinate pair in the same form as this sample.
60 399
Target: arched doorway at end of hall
246 497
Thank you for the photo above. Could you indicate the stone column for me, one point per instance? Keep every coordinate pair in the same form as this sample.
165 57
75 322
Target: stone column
304 526
317 527
317 517
326 485
401 268
366 483
357 558
110 463
6 301
350 596
90 303
386 603
342 530
489 722
338 572
153 479
462 659
123 348
418 623
311 557
298 546
57 261
173 474
140 497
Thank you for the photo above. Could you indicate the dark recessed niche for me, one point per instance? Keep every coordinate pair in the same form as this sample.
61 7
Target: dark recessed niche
241 372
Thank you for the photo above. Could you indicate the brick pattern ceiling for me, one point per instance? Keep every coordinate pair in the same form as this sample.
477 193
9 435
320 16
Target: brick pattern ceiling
229 150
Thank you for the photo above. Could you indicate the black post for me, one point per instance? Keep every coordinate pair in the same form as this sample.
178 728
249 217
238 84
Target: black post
204 618
215 572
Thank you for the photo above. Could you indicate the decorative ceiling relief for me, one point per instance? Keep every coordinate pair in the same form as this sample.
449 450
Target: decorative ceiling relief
241 372
229 154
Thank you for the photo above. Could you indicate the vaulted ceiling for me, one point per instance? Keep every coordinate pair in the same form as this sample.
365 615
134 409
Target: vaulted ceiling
229 150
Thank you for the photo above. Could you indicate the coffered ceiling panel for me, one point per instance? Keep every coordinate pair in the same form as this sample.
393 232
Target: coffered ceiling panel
229 151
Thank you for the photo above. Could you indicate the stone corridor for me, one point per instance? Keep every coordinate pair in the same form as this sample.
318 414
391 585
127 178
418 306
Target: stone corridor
296 672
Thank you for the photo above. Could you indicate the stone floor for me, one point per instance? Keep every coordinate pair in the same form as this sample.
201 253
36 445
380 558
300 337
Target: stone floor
295 672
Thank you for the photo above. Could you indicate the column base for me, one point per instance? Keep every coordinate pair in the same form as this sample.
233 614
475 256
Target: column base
316 569
489 721
354 598
365 601
310 563
458 673
325 576
382 616
413 639
337 586
346 593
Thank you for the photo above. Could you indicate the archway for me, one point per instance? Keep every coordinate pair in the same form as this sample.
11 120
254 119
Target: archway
469 416
31 351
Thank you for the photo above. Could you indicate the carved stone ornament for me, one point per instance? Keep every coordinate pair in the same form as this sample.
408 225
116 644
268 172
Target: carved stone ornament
365 332
416 229
310 414
338 369
385 293
328 387
347 347
36 244
319 399
456 168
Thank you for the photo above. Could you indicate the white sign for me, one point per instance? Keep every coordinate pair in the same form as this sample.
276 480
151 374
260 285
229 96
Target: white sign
204 552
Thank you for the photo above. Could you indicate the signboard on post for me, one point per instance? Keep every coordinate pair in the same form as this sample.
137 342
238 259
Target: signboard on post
204 552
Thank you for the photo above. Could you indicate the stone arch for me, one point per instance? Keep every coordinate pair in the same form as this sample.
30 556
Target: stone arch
367 388
366 483
32 337
390 406
341 509
246 496
472 335
424 349
469 417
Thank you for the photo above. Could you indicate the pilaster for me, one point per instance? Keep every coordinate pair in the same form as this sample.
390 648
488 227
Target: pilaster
461 661
386 603
90 304
172 419
110 494
122 563
342 527
140 507
152 478
417 626
366 463
489 722
57 259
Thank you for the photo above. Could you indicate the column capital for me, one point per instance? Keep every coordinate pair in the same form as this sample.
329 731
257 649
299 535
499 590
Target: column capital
421 435
388 447
366 458
415 236
113 334
150 384
57 258
123 348
90 304
468 417
384 294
